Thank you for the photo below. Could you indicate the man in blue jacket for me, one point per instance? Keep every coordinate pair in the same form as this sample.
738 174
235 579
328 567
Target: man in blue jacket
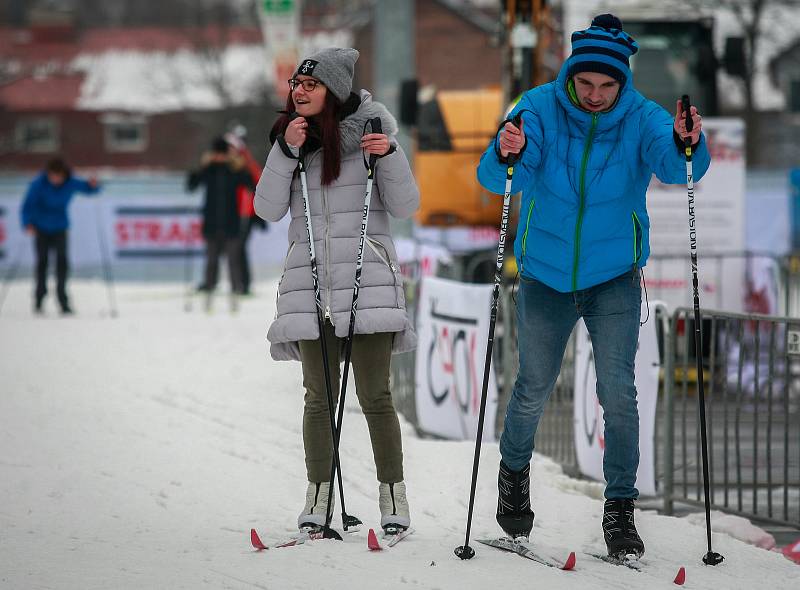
588 145
44 216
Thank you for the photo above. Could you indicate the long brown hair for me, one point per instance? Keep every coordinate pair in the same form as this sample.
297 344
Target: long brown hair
323 132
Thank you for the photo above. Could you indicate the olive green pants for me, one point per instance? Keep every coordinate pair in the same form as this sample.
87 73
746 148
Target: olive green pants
370 360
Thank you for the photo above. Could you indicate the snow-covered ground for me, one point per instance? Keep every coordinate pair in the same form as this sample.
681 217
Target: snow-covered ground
138 452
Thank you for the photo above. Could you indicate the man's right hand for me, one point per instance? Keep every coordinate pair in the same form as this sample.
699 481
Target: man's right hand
296 132
30 230
512 139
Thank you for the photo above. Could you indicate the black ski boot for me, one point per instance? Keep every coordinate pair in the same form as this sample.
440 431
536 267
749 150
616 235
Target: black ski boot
619 529
514 514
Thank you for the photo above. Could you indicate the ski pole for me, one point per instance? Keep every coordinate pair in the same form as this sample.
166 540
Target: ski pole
375 124
328 532
188 270
465 551
11 273
109 277
709 558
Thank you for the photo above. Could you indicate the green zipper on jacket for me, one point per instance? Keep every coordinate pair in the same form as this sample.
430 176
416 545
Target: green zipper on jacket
525 235
586 151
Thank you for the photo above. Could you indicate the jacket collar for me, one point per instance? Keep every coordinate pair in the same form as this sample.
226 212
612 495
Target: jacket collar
352 126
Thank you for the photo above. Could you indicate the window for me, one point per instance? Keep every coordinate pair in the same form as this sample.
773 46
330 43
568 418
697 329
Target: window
794 96
38 135
125 133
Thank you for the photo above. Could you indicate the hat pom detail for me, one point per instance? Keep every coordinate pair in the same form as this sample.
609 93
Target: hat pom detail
607 22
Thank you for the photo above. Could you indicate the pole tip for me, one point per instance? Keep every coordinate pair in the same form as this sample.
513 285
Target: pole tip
465 552
712 558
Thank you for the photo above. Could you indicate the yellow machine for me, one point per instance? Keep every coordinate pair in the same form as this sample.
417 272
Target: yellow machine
454 128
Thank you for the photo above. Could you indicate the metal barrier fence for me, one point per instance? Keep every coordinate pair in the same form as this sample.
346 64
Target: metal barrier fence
752 390
753 408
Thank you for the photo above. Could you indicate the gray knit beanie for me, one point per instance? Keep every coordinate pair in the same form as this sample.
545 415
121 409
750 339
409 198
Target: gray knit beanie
333 67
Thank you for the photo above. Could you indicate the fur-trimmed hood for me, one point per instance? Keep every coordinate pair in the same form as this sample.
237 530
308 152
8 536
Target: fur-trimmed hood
352 126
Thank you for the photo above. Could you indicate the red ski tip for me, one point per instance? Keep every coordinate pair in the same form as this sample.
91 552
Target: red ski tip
372 541
255 541
681 577
570 563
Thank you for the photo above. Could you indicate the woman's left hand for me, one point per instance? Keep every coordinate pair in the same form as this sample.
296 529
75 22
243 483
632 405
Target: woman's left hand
375 143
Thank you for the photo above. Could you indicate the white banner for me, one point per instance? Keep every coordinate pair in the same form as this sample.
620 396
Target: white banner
588 415
453 329
459 239
131 222
719 210
418 259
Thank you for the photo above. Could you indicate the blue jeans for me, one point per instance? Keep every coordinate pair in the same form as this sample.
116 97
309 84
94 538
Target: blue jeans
545 319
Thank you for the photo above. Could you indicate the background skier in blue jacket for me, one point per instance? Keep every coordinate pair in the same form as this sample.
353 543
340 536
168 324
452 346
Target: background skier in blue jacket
588 144
44 216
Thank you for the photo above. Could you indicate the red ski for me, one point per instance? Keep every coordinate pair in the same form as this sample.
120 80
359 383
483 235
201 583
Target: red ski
298 539
391 540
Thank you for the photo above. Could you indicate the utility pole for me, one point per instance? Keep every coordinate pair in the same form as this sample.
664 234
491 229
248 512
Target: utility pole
393 47
394 56
525 31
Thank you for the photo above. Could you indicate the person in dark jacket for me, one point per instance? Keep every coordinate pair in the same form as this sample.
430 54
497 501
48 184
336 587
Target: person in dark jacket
44 216
247 213
221 175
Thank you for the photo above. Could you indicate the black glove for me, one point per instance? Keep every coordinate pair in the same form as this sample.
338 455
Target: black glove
260 223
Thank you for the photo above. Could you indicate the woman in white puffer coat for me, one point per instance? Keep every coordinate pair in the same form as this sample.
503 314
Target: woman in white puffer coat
329 129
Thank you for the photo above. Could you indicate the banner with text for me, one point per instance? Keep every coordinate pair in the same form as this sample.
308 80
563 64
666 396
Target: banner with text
453 328
133 229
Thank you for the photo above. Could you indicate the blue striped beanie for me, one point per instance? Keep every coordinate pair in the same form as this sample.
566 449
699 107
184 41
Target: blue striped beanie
604 48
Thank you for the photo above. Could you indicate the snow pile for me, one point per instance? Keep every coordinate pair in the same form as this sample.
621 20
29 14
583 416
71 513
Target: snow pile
138 452
735 526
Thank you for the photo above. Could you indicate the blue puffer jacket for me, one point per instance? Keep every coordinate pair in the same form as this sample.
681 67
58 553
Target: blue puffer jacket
584 178
45 205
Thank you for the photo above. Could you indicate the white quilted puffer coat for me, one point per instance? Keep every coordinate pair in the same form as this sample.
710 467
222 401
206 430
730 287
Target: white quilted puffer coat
336 214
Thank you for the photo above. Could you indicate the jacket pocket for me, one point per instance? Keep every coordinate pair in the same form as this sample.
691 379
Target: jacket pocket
283 274
637 238
383 255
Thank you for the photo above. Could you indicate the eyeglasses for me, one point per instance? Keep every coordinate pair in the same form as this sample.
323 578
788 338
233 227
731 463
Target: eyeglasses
308 85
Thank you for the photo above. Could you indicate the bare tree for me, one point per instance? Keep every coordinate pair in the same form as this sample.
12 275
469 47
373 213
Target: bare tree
210 31
755 19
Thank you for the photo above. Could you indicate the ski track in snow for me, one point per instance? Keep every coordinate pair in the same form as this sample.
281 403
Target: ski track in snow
138 452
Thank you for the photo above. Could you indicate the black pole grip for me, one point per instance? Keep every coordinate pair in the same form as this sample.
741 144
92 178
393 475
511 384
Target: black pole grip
687 111
516 121
375 124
